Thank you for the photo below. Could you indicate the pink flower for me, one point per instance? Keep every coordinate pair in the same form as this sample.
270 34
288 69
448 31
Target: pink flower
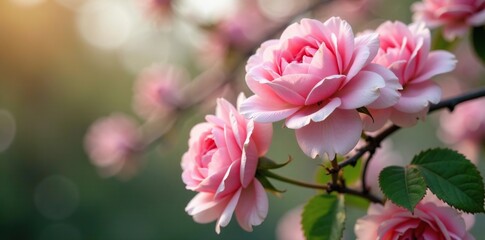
432 219
158 10
221 165
112 143
158 91
289 226
454 15
406 51
316 76
464 128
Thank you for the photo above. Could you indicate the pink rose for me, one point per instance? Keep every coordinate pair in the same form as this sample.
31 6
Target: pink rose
316 76
406 51
221 165
432 219
113 143
157 90
456 16
464 128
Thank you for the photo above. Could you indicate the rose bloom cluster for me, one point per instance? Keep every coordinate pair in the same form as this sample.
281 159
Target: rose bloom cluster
323 81
455 16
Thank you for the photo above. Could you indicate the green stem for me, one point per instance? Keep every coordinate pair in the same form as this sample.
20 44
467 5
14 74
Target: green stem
329 188
295 182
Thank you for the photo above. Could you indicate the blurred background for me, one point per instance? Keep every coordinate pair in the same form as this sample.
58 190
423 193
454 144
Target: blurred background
66 63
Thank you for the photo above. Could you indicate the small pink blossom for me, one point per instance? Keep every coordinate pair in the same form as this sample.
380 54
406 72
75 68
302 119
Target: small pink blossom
432 219
158 10
405 50
112 143
158 90
456 16
289 226
464 128
221 165
236 31
316 76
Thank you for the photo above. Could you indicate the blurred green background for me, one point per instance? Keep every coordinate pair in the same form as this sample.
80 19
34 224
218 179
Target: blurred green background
55 82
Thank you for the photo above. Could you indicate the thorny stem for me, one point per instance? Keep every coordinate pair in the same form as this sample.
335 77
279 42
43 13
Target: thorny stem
295 182
364 173
374 142
328 188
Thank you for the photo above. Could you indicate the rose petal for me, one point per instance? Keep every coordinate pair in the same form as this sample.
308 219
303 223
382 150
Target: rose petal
266 110
416 97
338 134
363 89
315 113
252 207
438 62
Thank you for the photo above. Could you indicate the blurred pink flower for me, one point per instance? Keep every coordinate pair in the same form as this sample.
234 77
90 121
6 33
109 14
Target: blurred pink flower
221 165
406 51
464 128
316 76
158 90
113 143
383 157
432 219
289 226
456 16
236 31
158 10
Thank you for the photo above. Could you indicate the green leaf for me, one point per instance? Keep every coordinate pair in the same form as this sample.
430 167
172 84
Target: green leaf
452 178
403 186
356 201
365 111
323 217
265 163
478 38
267 184
322 176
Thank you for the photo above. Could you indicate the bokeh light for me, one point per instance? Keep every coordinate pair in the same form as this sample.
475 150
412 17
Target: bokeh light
27 3
56 197
7 129
105 24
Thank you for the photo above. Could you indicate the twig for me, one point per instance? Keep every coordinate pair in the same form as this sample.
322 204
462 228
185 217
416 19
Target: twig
374 142
328 188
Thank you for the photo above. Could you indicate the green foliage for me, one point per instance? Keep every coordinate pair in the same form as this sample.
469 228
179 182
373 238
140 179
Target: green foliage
350 174
356 201
265 163
323 217
403 186
453 178
478 39
448 174
267 184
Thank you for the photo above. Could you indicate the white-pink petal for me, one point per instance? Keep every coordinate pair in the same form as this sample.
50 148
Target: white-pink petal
226 215
438 62
338 134
416 97
252 207
315 113
266 110
362 90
